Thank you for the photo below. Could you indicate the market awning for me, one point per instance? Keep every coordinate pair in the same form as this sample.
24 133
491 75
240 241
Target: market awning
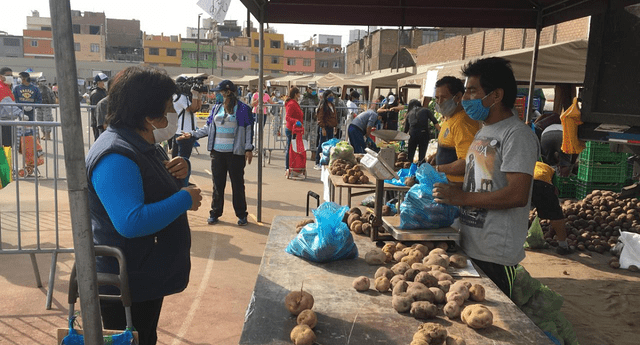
287 81
387 78
249 80
339 80
312 80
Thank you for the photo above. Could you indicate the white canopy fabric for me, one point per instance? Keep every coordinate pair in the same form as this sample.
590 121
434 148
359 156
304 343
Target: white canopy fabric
384 79
311 80
287 81
249 80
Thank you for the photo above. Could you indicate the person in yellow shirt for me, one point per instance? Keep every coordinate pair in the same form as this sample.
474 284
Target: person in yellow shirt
457 130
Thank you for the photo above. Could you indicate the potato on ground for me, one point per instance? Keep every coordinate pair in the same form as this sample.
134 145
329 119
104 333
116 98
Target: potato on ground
382 284
458 261
383 271
400 268
431 333
452 310
454 296
439 296
402 302
444 285
423 310
476 293
461 288
375 256
411 274
307 317
297 301
437 251
361 283
400 287
420 292
426 279
396 279
455 340
302 335
435 259
477 316
441 275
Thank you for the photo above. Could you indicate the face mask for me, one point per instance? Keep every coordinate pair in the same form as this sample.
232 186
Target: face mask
162 134
8 80
447 107
330 99
313 93
219 98
475 109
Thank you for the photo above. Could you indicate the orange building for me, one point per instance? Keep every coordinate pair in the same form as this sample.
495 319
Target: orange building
299 61
162 50
38 44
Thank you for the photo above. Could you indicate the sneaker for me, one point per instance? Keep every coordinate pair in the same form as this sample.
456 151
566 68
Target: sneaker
317 167
212 220
242 221
563 251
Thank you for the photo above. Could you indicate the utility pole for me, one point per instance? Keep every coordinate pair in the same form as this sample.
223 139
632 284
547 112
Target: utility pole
198 46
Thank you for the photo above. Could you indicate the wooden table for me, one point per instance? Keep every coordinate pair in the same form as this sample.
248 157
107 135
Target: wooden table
346 316
366 188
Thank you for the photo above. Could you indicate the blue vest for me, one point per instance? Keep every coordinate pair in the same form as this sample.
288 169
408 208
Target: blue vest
159 264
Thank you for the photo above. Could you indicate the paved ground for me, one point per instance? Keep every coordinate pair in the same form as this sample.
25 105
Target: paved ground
225 259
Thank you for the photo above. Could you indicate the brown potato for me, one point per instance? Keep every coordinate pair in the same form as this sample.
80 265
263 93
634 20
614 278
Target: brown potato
354 224
431 333
458 261
345 178
402 302
455 340
384 272
438 295
382 284
477 316
452 310
419 292
476 293
361 283
302 335
456 297
426 279
297 301
423 310
307 317
400 268
375 256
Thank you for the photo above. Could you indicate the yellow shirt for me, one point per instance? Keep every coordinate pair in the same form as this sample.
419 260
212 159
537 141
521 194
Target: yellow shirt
456 135
543 172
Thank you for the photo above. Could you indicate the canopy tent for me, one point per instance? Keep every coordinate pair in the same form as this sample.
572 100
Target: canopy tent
338 80
213 80
387 78
249 81
286 81
311 80
193 75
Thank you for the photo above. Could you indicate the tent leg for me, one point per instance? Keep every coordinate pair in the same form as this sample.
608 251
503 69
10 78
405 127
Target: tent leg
534 67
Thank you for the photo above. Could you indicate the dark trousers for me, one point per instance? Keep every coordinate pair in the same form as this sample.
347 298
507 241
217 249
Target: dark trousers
356 139
182 148
96 132
419 139
145 316
321 140
289 134
223 163
502 276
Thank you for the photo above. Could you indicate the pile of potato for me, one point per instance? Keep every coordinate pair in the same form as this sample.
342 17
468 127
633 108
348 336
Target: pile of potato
595 222
422 286
402 161
360 223
350 173
299 303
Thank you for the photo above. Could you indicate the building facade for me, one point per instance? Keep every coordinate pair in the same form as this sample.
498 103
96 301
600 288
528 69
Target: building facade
11 46
273 52
234 58
123 40
230 29
299 61
37 44
162 50
207 60
327 62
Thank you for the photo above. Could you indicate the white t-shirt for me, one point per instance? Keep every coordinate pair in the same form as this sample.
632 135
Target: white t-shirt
179 105
352 108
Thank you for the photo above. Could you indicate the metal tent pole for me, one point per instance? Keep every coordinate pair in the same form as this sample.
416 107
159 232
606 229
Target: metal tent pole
76 170
534 67
260 113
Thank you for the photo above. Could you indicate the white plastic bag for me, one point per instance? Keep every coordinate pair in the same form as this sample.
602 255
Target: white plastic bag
305 143
631 251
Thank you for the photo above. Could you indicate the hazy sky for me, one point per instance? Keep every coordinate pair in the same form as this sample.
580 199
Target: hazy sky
160 16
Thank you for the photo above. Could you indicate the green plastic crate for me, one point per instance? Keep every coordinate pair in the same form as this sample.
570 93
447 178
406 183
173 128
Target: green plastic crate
597 152
603 172
584 188
566 186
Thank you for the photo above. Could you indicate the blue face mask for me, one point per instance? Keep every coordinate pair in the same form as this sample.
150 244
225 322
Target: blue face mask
313 93
475 109
330 99
219 98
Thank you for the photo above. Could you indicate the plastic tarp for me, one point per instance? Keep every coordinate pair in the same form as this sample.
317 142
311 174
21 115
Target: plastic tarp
286 81
249 80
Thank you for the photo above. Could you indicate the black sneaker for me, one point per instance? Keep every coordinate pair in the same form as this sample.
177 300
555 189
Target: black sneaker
212 220
242 221
563 251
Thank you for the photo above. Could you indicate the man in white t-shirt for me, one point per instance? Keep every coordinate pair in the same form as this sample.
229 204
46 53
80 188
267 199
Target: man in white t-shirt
185 108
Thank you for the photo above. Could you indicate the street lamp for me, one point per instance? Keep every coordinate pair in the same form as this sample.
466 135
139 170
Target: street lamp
198 46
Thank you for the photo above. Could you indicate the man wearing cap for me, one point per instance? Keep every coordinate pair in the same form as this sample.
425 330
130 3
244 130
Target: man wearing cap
44 113
97 94
230 131
7 97
308 104
25 92
185 105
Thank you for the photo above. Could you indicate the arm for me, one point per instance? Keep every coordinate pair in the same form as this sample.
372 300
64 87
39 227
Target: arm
13 112
195 106
118 183
515 194
453 168
38 96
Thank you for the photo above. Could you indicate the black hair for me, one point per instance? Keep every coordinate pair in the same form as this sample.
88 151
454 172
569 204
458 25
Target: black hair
230 101
4 70
355 94
454 84
138 92
324 104
414 103
494 73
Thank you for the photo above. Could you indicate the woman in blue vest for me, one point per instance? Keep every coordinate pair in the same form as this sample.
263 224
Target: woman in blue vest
230 131
139 198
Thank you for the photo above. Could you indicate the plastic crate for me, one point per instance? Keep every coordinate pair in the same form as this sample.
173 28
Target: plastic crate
603 173
584 188
597 152
566 186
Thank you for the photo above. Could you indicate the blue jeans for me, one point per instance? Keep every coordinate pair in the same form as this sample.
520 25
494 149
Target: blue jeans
288 133
356 139
321 140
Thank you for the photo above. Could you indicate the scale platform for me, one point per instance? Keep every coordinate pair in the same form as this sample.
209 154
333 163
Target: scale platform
392 224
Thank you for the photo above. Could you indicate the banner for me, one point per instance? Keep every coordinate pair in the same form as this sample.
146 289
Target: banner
217 9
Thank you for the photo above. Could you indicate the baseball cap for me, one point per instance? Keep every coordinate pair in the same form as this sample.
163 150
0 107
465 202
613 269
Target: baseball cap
392 98
41 79
225 85
100 77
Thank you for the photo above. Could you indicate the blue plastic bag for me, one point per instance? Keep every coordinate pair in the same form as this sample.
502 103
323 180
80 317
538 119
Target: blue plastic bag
326 150
419 210
403 173
328 239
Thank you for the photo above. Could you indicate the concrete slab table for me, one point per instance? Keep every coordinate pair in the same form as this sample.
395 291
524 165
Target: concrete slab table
346 316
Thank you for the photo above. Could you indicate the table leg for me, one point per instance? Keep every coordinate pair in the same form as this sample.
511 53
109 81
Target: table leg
378 210
349 197
340 197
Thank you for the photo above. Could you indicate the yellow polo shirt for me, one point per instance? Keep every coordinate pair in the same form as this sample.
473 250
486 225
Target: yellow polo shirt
456 135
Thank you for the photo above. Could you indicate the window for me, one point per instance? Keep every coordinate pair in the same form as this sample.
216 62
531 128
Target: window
76 28
11 42
171 52
203 56
405 39
45 28
95 48
275 44
274 59
242 57
291 62
227 57
324 63
256 43
336 64
76 46
329 40
34 43
256 58
192 56
306 62
449 35
154 51
429 36
94 30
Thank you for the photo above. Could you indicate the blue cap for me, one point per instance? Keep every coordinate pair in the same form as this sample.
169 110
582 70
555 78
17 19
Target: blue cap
225 85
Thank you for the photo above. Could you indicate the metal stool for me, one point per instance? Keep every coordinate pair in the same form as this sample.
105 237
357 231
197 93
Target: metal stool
315 196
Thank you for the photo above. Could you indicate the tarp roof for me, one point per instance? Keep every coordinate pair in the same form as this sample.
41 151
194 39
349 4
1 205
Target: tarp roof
249 80
458 13
339 80
387 78
287 80
306 81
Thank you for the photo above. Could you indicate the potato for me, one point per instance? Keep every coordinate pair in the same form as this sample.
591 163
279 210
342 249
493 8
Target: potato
421 267
345 178
421 248
419 292
356 210
302 335
382 284
389 247
435 259
375 256
426 279
400 268
402 302
356 225
297 301
398 256
444 285
307 317
361 283
458 261
384 272
410 274
441 275
353 179
476 293
477 316
438 295
410 259
423 310
366 229
364 179
452 310
453 296
352 217
397 279
455 340
400 246
460 288
438 250
400 287
437 268
431 333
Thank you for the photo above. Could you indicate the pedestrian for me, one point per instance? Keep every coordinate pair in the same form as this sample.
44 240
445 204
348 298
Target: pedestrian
389 113
230 131
25 92
495 212
308 104
45 113
7 113
139 198
255 102
97 93
457 129
186 103
293 117
551 150
361 127
416 123
327 122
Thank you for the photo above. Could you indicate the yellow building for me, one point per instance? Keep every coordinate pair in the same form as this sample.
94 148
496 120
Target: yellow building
273 52
89 47
162 50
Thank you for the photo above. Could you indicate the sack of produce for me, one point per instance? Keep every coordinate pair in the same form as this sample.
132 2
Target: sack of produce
328 239
535 237
419 210
404 174
343 150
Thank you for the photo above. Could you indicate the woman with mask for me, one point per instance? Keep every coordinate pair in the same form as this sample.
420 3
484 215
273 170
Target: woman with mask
456 132
139 198
417 125
327 122
294 118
